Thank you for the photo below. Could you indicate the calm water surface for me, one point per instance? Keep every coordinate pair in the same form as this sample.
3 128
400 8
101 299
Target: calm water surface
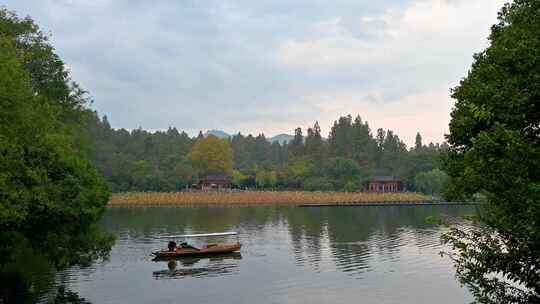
289 255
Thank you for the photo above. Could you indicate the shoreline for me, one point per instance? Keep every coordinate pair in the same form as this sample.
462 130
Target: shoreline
395 203
266 198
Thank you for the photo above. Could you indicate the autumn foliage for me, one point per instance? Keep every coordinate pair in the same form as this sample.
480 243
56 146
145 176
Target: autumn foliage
212 155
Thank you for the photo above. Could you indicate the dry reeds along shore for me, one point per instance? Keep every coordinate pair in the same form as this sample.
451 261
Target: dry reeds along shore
257 198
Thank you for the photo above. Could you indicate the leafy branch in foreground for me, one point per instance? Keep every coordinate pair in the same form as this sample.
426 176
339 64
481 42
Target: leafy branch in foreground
495 152
480 254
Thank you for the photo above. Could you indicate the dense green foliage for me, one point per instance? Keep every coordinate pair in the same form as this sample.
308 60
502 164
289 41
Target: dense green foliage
431 182
495 152
50 193
139 159
160 161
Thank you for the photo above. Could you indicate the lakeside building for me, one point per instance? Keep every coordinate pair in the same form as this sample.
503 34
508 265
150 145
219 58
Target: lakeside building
384 184
215 182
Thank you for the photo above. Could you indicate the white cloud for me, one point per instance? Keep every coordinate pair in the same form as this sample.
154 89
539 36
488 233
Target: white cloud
408 59
425 30
268 66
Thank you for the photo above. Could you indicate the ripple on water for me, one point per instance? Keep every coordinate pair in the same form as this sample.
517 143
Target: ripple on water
293 255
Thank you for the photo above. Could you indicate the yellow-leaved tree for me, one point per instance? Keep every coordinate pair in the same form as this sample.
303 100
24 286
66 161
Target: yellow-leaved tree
212 155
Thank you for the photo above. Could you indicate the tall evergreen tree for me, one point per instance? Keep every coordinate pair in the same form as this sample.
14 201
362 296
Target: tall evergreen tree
296 147
340 137
418 142
363 145
314 146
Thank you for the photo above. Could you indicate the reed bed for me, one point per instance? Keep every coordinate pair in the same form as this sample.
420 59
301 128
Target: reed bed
250 198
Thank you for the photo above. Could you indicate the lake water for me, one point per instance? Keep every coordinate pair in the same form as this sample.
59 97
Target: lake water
289 255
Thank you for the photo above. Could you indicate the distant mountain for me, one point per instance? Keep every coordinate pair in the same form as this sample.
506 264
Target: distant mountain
218 133
280 138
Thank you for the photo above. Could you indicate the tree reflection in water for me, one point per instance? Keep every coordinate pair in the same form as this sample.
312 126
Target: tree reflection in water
350 237
355 241
353 236
29 273
31 278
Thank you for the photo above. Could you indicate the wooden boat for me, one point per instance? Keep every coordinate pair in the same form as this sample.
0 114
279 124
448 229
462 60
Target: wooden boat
210 249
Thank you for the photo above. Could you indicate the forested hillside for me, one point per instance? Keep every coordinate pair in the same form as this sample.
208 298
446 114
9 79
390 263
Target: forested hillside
158 161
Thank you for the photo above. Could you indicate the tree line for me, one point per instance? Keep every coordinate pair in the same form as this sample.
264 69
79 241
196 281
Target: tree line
139 160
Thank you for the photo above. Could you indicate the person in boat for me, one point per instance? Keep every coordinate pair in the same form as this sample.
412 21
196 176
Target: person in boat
172 246
185 245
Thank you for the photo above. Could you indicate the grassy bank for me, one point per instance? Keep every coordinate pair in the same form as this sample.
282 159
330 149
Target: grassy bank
257 198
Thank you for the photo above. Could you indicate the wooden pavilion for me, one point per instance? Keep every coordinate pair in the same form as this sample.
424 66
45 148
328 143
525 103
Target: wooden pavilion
384 184
215 182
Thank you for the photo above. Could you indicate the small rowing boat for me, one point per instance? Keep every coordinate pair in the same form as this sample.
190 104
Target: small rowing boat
187 250
210 249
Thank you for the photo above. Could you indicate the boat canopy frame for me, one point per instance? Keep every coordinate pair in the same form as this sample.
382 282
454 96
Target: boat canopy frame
185 236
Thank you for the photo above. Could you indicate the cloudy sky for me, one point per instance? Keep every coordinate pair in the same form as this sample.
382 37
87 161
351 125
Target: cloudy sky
268 66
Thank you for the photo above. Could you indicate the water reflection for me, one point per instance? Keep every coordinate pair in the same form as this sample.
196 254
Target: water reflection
355 237
30 277
211 266
294 255
356 240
